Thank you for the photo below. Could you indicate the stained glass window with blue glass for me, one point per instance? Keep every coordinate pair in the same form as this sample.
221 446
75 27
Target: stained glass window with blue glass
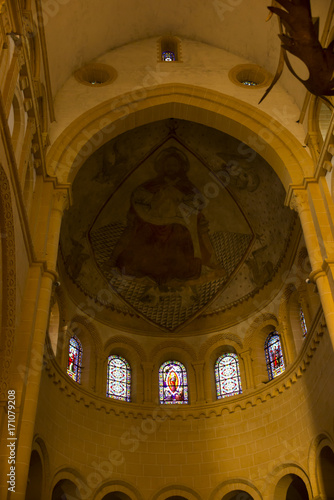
167 55
227 376
274 355
74 363
302 322
119 378
173 385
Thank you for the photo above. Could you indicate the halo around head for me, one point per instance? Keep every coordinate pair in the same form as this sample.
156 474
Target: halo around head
166 153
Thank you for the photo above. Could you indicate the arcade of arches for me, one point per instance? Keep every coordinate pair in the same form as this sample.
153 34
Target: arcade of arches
166 256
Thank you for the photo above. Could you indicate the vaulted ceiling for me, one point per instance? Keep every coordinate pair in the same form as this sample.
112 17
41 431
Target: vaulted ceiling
78 31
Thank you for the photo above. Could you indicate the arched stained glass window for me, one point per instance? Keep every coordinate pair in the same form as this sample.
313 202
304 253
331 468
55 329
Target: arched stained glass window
74 364
168 55
274 355
227 375
173 385
302 321
119 378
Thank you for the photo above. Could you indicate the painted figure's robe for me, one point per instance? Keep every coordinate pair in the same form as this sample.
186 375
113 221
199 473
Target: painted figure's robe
166 237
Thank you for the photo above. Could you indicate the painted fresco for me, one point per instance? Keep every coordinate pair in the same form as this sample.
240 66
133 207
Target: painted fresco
164 249
178 223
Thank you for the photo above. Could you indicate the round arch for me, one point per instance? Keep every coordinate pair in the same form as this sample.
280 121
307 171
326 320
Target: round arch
323 443
239 489
117 490
36 484
251 126
287 479
176 492
68 480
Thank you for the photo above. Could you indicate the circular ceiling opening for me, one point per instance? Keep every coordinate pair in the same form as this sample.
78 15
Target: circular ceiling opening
96 75
249 75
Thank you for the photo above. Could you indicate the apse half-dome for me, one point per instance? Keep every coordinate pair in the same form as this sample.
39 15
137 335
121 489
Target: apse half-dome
173 220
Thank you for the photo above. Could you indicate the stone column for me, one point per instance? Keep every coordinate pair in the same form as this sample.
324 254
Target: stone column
315 213
63 339
101 374
147 370
31 336
199 378
247 359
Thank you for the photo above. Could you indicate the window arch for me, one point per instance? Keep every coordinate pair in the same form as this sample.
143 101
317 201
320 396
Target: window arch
227 376
119 378
274 355
302 321
173 384
74 364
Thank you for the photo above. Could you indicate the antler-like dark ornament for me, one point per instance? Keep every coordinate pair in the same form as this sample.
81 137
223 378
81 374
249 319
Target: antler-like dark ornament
300 38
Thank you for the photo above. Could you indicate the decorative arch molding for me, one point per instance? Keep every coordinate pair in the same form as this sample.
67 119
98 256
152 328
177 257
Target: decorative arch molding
8 264
318 443
285 470
176 490
127 343
234 485
217 341
69 474
113 486
258 324
39 446
180 347
248 124
82 320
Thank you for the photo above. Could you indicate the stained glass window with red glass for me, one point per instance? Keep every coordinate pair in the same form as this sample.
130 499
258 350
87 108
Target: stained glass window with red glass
302 322
227 376
74 363
274 355
119 378
173 385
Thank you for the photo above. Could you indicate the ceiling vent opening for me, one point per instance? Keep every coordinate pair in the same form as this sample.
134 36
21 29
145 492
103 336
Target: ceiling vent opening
96 75
249 76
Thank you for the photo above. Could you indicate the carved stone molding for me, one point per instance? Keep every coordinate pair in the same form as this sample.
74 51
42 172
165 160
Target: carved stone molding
60 200
173 346
299 201
81 320
216 339
9 283
132 344
264 318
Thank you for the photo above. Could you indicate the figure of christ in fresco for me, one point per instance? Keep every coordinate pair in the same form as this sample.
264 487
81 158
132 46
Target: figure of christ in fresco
166 238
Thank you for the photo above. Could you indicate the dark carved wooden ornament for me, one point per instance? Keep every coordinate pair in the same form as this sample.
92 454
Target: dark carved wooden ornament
299 36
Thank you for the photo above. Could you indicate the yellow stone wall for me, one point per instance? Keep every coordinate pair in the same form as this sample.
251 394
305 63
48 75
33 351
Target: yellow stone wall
253 439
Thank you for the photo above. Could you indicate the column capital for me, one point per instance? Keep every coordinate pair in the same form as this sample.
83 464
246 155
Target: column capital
60 200
299 201
198 364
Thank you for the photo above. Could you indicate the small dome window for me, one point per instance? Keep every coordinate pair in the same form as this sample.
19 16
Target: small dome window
168 49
